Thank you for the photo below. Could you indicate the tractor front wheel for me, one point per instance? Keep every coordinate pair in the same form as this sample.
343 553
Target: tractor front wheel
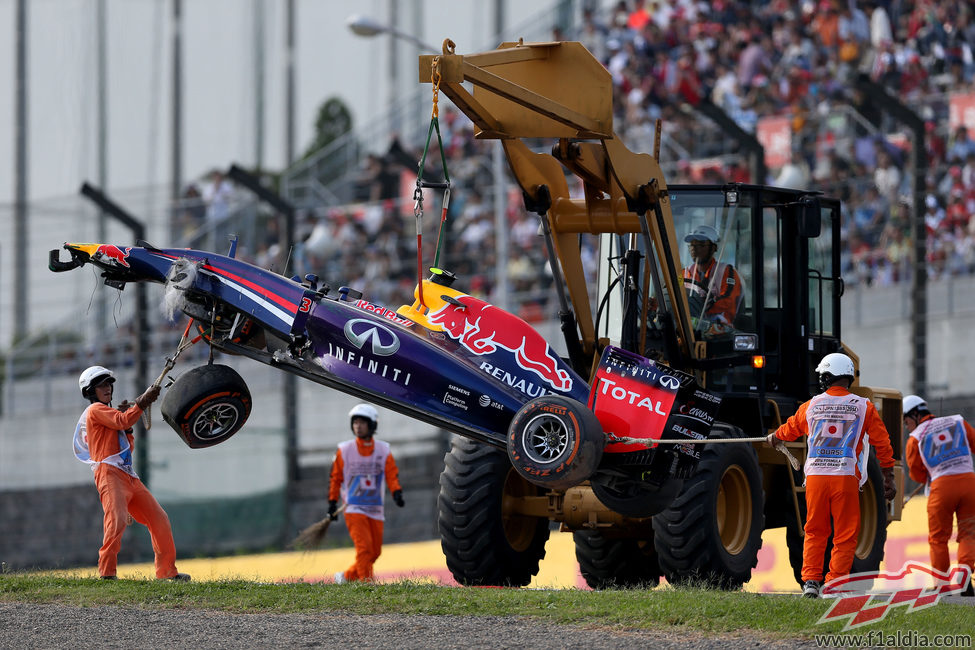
486 538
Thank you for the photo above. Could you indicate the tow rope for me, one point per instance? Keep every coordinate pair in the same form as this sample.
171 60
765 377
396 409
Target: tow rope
435 78
663 441
170 363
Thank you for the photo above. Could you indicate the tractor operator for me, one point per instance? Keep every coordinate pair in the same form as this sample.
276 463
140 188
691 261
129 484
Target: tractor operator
836 422
103 439
361 470
939 454
713 288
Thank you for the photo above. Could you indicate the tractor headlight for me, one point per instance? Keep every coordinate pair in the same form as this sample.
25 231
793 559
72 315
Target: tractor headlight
746 342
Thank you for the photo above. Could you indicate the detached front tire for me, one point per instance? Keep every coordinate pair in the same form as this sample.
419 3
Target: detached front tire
713 531
207 405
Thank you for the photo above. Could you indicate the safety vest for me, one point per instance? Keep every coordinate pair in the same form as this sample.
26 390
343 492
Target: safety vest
715 281
122 460
835 425
943 446
700 280
364 478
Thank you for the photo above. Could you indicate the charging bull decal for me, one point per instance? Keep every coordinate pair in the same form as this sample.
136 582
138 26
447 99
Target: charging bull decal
482 328
118 256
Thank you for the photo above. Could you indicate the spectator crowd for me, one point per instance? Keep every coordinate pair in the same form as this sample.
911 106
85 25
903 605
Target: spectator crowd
779 58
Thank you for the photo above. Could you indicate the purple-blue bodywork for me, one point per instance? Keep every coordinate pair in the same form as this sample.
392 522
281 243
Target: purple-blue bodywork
352 345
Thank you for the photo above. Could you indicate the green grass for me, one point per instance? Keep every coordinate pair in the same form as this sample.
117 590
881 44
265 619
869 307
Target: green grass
688 610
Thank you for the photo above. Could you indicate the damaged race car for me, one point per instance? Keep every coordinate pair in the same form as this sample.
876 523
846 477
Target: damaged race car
449 359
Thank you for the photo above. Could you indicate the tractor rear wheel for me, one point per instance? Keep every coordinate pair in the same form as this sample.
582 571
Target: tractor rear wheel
713 531
486 540
873 528
616 563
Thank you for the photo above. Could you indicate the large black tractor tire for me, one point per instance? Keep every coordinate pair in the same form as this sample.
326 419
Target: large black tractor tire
713 531
207 405
617 563
873 528
555 442
485 541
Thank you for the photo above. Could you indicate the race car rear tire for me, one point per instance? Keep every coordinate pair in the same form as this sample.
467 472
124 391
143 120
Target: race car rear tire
873 528
555 442
713 531
207 405
485 540
617 563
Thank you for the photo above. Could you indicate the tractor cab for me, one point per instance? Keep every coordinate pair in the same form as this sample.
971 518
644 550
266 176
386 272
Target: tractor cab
741 248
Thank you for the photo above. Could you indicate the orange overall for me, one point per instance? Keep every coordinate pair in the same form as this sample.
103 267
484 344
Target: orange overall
952 492
720 284
836 422
360 483
122 493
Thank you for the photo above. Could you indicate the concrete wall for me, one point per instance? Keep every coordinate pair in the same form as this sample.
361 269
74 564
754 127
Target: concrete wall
877 327
61 527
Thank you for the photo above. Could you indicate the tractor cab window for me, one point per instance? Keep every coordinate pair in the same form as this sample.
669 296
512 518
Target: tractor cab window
822 280
714 268
714 234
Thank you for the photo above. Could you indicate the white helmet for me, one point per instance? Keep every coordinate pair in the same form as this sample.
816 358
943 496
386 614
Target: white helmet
912 402
92 376
366 411
703 233
836 364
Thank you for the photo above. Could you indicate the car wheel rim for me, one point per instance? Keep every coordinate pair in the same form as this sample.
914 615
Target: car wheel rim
545 439
215 421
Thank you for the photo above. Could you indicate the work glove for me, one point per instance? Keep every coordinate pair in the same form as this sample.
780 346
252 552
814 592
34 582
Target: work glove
772 440
332 507
890 487
148 397
398 498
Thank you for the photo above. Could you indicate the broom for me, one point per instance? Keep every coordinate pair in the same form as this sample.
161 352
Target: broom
312 536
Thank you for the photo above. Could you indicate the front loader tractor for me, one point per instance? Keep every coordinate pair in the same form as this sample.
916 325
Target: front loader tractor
660 363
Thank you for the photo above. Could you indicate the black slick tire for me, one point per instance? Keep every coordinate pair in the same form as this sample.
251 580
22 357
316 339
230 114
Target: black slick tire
207 405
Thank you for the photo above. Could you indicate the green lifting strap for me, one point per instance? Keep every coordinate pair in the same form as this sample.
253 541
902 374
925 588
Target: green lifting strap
445 186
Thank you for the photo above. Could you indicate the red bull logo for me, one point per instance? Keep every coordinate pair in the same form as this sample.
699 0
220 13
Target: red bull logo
482 328
107 252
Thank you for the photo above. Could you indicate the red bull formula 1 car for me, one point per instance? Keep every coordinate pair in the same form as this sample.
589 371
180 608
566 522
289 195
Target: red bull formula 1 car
449 359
